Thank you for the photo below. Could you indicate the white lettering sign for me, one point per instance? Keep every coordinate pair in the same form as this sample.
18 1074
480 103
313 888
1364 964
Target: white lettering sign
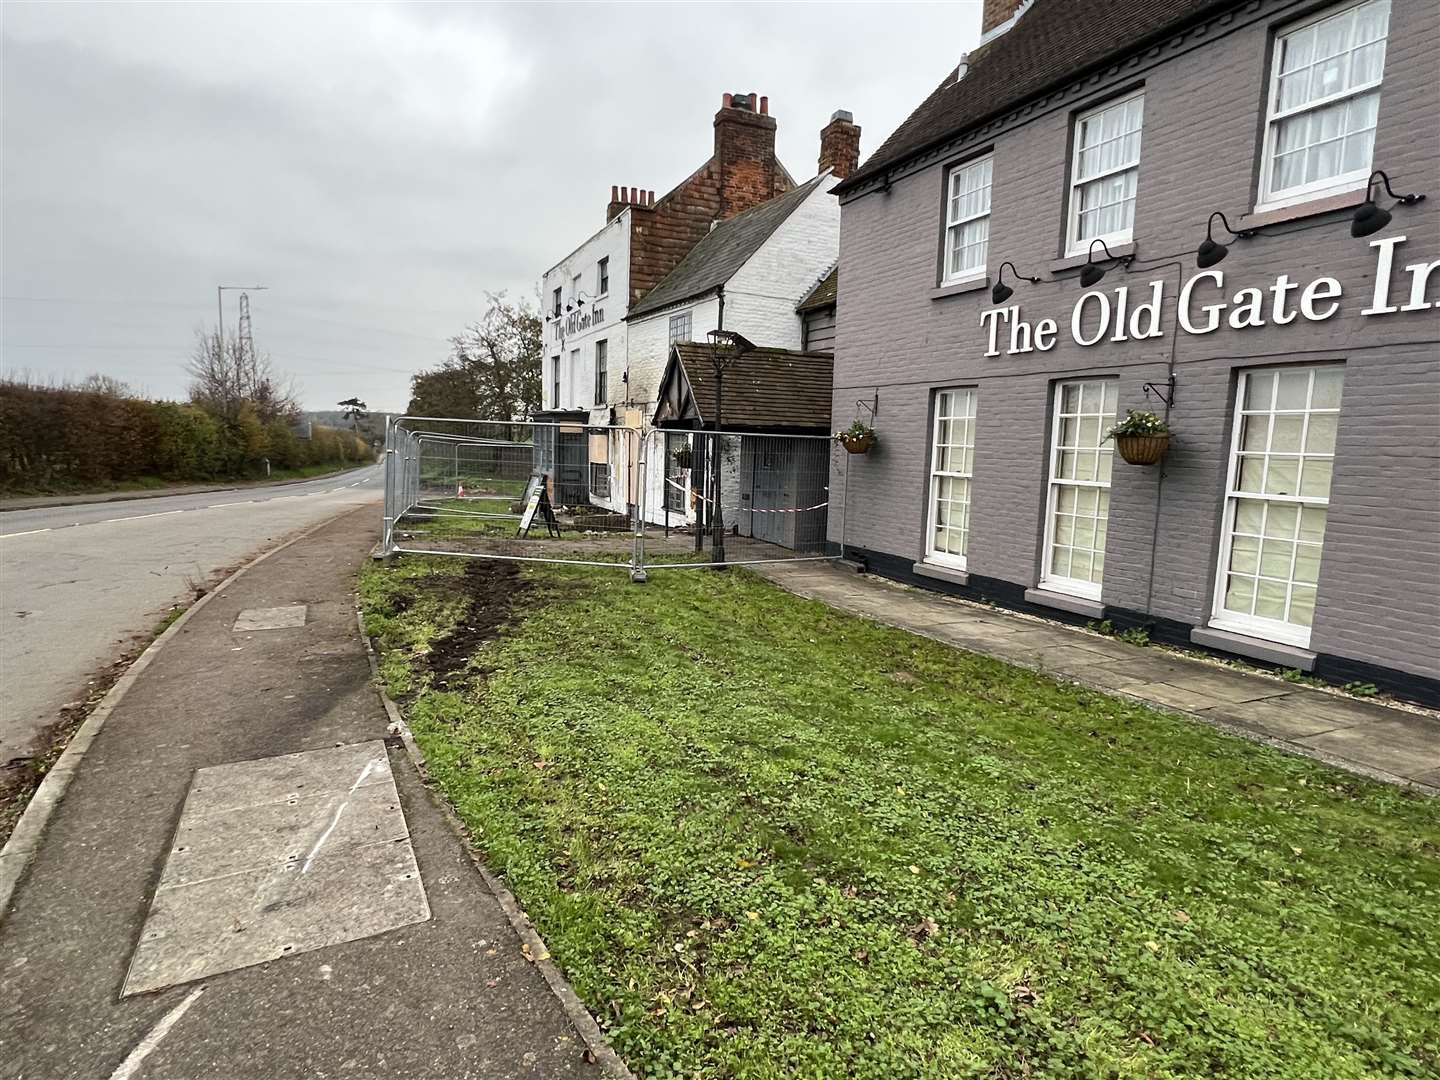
1204 305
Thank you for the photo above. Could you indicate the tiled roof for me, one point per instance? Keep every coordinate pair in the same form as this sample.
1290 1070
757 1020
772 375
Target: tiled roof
765 389
1050 44
823 295
714 260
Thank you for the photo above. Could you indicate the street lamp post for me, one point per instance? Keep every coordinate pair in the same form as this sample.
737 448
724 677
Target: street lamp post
734 346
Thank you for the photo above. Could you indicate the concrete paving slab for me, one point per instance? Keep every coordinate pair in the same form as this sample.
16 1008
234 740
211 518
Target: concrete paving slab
274 618
267 877
238 921
286 777
209 846
1280 718
1224 686
1406 746
1173 696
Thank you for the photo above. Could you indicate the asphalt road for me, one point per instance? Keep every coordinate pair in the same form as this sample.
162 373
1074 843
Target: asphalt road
80 583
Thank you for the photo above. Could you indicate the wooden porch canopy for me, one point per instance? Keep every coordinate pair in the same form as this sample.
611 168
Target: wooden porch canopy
766 390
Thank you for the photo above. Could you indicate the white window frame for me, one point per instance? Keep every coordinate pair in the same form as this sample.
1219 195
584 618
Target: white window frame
1258 626
602 277
575 289
954 222
1074 245
574 379
1268 197
1089 590
688 316
970 395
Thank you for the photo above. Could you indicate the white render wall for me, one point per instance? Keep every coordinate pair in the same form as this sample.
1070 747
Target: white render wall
649 341
760 298
577 388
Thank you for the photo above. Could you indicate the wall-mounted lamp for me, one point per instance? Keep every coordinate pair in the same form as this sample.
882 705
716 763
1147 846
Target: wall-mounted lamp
1370 218
1211 251
1002 292
1093 271
569 307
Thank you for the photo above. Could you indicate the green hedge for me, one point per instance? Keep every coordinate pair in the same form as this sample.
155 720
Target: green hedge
64 438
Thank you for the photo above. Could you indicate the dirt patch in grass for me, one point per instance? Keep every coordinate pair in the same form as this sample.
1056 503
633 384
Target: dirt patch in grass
492 590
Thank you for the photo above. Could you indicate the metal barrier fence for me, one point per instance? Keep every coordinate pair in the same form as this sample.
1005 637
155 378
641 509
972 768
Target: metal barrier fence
605 495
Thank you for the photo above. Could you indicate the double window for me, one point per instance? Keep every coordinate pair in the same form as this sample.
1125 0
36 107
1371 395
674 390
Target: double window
952 460
602 349
967 220
1103 173
1324 98
680 327
1277 496
1079 490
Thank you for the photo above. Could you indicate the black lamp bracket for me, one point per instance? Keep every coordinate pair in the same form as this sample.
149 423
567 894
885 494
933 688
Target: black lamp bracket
871 407
1164 391
1404 200
1240 234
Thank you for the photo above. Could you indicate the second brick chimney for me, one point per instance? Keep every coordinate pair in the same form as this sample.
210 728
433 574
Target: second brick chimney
840 144
745 153
995 13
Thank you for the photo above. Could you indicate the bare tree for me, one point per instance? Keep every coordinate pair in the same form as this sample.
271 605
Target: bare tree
225 376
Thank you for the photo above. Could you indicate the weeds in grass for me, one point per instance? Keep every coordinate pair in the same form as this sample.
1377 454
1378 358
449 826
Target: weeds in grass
765 839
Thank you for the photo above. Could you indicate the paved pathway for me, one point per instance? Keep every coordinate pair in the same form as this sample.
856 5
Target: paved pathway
452 996
1387 743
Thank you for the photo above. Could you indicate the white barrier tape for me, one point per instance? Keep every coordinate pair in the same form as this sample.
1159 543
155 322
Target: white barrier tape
748 509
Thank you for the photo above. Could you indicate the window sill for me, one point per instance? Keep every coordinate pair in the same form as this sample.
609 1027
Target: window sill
1076 605
1346 200
960 287
1074 262
941 573
1272 652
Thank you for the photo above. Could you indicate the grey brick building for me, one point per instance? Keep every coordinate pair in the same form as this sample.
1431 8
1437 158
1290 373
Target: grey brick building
1296 517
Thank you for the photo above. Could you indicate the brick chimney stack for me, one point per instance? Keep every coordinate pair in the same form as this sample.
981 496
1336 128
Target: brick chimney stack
623 197
745 153
840 144
996 12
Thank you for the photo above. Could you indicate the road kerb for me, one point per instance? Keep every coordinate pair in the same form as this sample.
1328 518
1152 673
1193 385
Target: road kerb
584 1024
19 850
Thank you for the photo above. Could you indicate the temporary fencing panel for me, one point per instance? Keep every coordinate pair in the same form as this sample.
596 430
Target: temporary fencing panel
588 494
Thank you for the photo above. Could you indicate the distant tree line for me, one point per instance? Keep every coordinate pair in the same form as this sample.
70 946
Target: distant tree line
96 434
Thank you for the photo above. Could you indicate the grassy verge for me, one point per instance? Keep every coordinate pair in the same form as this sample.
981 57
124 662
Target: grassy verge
765 839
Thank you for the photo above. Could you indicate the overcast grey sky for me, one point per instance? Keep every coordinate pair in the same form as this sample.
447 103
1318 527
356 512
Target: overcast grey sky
379 167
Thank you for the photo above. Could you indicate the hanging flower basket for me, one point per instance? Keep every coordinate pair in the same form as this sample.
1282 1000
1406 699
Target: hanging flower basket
1142 449
858 438
1141 438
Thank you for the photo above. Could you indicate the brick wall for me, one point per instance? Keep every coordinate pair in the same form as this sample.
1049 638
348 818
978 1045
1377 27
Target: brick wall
1379 595
743 172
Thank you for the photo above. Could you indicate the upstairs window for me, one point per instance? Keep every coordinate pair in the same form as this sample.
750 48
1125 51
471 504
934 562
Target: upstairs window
575 288
1324 98
556 297
680 327
1103 174
967 221
602 276
602 350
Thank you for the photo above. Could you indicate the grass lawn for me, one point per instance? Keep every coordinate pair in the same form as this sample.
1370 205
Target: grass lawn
765 839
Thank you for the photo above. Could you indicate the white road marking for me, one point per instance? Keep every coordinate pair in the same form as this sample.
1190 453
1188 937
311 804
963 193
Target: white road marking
134 517
369 767
32 532
131 1065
